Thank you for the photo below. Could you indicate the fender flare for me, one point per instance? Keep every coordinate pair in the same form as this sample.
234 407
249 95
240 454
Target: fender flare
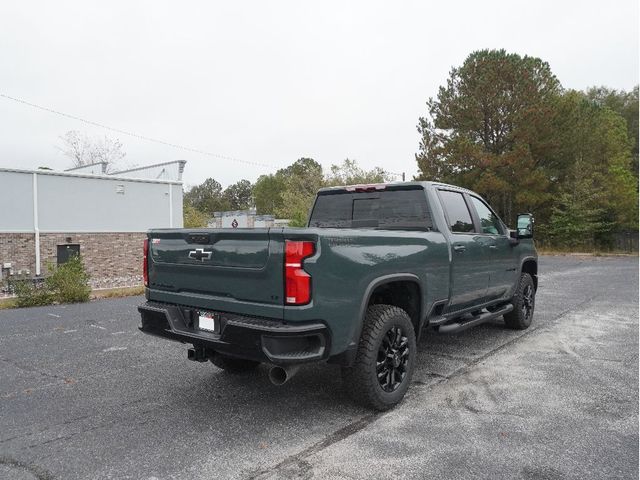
375 283
527 259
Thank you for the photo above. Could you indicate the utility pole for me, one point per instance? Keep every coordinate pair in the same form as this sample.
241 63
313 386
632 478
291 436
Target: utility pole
403 176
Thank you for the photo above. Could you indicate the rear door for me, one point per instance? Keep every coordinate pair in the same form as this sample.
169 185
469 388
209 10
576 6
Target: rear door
503 272
238 271
469 255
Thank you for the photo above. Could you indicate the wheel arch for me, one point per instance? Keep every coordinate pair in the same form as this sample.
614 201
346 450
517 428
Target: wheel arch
530 265
404 290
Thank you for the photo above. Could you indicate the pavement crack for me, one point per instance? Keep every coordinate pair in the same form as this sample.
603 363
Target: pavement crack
449 356
71 422
74 434
36 471
25 368
335 437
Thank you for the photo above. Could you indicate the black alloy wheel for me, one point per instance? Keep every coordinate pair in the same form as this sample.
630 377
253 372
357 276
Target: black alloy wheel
524 302
527 302
393 359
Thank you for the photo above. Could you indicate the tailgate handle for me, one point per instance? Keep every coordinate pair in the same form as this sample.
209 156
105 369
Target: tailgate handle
200 238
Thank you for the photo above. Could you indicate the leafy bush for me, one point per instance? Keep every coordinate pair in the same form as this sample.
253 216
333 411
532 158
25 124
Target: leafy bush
67 283
30 294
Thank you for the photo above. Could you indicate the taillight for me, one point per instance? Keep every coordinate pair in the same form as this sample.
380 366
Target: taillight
145 262
297 282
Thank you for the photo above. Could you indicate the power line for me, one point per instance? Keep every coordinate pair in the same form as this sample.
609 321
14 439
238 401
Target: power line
135 135
144 137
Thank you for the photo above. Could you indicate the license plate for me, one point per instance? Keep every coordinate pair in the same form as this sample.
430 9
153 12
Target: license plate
207 321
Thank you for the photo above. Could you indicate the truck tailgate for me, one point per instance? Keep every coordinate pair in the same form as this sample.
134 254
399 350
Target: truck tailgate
237 271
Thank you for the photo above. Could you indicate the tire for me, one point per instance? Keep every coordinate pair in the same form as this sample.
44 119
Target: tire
524 302
387 347
234 365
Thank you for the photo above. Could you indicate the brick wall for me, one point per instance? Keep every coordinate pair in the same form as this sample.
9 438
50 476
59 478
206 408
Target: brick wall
19 250
111 259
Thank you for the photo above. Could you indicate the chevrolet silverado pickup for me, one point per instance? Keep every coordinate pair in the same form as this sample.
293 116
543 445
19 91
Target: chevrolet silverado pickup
375 268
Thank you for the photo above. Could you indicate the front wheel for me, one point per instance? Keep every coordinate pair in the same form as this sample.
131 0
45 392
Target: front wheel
381 373
524 302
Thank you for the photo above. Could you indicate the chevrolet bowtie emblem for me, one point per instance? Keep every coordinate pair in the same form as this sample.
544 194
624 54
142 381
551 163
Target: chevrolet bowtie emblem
200 254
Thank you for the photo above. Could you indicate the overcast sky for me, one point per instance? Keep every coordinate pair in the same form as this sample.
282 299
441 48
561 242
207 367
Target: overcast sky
270 82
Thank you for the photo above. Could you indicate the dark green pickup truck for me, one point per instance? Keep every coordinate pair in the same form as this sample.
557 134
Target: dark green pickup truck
376 266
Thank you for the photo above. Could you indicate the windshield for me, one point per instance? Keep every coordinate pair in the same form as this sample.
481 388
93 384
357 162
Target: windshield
389 209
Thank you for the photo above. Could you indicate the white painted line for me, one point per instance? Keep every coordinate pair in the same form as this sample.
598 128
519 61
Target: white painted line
114 349
97 326
69 331
118 333
53 315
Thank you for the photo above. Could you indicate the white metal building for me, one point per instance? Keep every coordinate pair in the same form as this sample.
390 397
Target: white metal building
46 214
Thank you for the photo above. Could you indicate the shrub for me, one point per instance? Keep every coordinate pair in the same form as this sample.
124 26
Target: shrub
30 294
69 282
66 283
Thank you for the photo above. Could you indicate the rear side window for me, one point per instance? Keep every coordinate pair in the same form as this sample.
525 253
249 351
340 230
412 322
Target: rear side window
489 222
457 212
389 209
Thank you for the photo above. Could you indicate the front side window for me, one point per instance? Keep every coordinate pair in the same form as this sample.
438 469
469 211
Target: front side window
457 212
489 222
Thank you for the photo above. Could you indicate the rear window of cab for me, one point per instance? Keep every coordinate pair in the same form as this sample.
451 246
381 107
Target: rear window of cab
385 210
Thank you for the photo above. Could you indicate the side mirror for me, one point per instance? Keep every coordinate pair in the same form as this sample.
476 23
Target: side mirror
525 225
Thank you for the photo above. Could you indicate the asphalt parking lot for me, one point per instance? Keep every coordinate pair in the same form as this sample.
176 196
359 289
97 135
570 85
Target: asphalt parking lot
84 395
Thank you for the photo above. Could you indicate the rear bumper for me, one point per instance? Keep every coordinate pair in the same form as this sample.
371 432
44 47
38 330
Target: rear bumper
259 339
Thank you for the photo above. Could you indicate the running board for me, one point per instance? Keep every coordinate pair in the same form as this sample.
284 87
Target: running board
462 324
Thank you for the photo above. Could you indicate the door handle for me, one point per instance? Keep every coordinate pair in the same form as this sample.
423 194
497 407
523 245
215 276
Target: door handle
493 247
459 248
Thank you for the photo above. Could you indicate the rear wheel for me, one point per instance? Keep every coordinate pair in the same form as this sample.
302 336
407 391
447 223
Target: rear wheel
234 365
524 302
381 373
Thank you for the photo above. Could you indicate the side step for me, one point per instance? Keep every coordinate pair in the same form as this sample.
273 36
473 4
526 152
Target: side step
464 323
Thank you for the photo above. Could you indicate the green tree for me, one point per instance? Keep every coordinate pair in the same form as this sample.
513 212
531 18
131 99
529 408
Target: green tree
503 126
491 129
626 104
289 193
192 217
350 173
301 181
598 194
267 193
207 197
577 217
239 196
